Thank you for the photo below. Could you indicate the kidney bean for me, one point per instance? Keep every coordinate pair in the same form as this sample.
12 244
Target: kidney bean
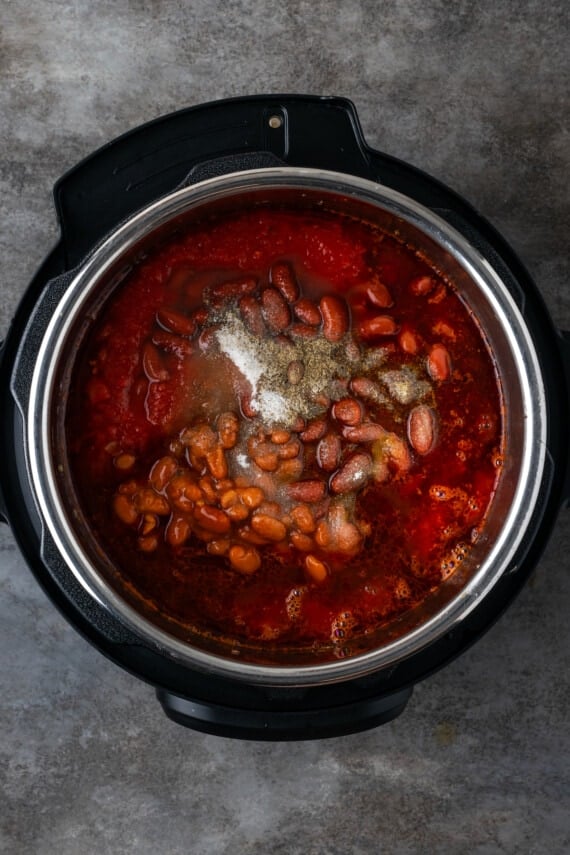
438 363
177 531
422 428
228 429
148 543
367 389
295 372
123 462
329 452
280 436
153 363
353 474
307 491
212 519
200 440
283 278
408 342
162 471
303 331
148 501
275 310
344 534
301 541
245 559
176 322
148 523
218 547
421 285
303 519
379 295
245 532
393 449
268 527
252 497
237 512
316 569
334 312
268 461
438 295
315 429
348 411
377 326
125 509
173 344
290 470
323 534
289 450
217 463
183 492
366 432
208 488
250 309
307 312
223 292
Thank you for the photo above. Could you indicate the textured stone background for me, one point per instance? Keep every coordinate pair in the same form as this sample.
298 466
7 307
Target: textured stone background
476 94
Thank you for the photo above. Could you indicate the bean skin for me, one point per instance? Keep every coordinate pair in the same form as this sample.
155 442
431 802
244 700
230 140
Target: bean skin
334 312
422 429
275 310
283 278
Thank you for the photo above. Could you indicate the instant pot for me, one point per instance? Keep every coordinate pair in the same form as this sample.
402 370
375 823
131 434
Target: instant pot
111 207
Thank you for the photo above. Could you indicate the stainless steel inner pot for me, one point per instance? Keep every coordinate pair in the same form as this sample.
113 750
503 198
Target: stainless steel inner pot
482 290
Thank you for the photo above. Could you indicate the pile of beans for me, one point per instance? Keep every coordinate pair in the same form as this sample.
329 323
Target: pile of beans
239 485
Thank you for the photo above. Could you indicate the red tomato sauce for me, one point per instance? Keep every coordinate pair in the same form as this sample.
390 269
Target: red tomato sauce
285 428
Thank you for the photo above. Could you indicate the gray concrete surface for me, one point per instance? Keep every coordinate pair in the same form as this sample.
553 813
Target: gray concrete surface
476 94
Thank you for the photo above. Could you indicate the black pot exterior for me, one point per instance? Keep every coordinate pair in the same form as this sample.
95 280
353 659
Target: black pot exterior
122 178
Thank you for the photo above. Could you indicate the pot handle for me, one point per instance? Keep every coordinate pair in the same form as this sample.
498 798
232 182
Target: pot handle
3 510
284 726
151 161
565 350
